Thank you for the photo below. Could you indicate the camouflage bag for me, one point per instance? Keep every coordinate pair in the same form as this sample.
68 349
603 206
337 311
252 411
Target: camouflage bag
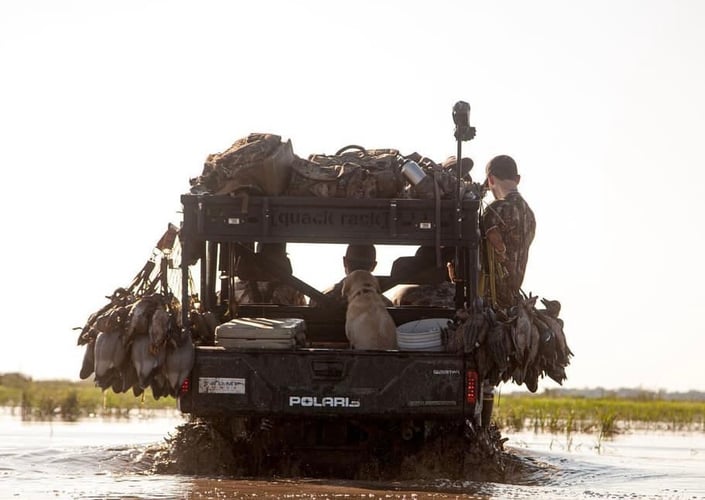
258 163
352 172
441 179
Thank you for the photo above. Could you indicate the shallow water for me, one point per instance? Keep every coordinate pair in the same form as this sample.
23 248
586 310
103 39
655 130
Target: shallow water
109 459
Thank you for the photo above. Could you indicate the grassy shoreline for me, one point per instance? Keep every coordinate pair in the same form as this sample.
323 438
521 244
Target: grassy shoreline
606 415
69 400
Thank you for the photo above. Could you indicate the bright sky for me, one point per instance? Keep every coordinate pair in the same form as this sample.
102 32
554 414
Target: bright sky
108 108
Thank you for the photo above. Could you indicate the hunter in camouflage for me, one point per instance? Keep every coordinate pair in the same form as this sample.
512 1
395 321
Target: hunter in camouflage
271 290
508 227
437 295
431 284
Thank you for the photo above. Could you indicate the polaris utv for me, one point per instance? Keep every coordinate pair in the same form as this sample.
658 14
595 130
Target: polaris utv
282 380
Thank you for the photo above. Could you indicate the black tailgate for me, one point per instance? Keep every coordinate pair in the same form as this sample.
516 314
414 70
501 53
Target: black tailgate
325 383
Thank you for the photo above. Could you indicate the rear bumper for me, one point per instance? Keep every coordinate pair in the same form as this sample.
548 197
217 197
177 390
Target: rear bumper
327 383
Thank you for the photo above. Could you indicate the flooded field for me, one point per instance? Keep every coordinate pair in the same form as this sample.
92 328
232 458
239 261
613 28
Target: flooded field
113 458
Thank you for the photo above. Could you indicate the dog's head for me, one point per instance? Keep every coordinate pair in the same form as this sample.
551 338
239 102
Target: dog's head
360 281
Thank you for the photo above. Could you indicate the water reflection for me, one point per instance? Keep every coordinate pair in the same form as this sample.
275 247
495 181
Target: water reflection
98 458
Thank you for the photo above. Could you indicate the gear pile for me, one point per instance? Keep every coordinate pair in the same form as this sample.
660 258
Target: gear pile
264 164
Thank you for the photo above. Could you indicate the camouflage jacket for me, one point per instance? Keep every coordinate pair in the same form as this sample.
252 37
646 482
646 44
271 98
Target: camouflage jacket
438 295
503 271
267 292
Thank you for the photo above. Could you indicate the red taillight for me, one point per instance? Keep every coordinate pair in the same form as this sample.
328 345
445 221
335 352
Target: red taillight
185 385
471 384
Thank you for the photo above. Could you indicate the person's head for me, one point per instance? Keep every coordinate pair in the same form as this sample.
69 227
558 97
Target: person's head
502 175
427 254
360 257
272 249
427 259
275 253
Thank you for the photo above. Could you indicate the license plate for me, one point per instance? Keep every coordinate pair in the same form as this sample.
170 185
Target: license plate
221 385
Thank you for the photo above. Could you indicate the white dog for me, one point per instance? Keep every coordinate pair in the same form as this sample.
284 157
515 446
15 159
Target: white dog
368 324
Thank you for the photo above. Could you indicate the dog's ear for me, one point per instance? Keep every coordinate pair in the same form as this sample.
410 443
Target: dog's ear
344 288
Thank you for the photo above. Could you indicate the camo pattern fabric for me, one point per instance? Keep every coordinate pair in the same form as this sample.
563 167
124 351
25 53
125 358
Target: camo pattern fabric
260 163
335 181
267 292
517 225
373 173
437 295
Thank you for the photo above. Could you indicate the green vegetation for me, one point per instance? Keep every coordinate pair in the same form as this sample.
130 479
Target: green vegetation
606 416
47 399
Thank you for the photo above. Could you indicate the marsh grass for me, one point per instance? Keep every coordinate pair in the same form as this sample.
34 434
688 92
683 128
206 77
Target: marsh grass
604 416
67 400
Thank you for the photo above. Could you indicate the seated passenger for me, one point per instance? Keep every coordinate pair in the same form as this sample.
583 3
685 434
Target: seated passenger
356 257
272 290
433 287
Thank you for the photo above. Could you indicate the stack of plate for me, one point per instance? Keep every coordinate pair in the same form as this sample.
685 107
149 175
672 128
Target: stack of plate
422 335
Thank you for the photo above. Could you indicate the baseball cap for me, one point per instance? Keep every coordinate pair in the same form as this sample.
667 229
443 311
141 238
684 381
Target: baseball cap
503 167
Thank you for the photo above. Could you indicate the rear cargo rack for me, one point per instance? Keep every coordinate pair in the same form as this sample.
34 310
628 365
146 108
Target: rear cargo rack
328 220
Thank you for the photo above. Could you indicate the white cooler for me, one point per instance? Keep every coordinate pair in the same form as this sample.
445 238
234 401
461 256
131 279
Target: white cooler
261 333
